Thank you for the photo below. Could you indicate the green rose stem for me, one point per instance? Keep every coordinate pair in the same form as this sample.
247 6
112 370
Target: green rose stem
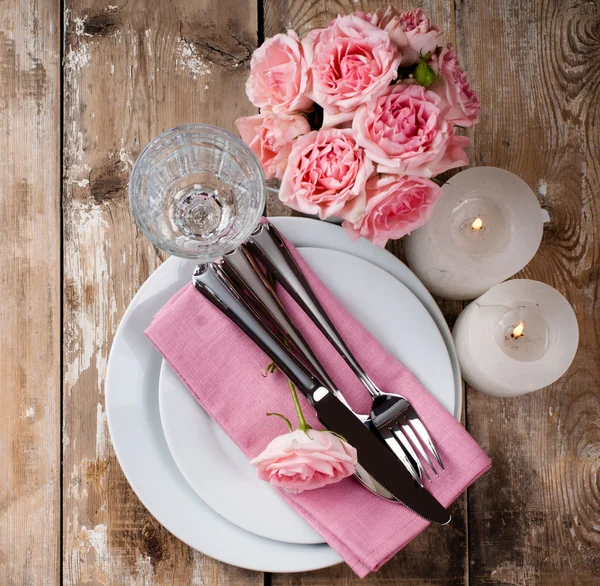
271 368
301 421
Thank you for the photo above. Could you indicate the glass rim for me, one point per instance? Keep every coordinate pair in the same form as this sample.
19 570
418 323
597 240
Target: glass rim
201 130
152 151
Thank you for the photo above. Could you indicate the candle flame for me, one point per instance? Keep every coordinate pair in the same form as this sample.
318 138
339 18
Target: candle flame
477 224
518 331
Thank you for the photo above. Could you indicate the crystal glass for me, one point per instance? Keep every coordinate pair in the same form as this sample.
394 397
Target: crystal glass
197 191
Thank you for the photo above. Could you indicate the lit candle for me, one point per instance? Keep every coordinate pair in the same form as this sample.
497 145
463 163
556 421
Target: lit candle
486 226
518 337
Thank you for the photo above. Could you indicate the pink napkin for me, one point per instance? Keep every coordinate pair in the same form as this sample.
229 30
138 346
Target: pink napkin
224 370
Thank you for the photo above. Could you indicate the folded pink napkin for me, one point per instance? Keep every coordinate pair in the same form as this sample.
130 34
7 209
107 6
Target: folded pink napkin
224 370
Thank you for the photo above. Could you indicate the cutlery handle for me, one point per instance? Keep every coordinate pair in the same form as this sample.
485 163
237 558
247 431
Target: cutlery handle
240 265
217 287
270 248
232 297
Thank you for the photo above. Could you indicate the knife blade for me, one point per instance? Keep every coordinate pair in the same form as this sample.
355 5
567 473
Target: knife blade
373 456
380 463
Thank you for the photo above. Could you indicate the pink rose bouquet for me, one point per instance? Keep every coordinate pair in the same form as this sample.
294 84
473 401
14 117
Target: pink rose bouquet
357 119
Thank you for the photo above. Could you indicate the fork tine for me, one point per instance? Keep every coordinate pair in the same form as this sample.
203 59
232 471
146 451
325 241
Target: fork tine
406 445
393 444
418 426
408 430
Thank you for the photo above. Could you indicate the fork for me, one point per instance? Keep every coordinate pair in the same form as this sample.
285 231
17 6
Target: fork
392 415
241 268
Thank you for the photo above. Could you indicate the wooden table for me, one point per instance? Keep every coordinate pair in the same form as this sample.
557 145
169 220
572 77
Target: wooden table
85 85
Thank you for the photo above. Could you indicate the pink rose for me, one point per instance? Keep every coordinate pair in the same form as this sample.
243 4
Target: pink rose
396 205
270 137
279 75
307 460
462 102
405 132
411 31
326 175
350 61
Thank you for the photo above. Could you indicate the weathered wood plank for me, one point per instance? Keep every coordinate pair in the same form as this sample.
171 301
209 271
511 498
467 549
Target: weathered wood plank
534 518
439 555
131 71
30 293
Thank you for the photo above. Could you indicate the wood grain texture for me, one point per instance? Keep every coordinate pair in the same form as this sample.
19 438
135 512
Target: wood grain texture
417 563
535 518
131 70
30 293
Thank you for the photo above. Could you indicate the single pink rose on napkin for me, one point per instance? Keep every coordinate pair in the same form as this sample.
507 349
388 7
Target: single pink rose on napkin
305 460
279 75
461 103
396 205
411 31
351 61
326 175
405 132
223 369
270 136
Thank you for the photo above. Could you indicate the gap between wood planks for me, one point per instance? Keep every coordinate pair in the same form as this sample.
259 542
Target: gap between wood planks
61 289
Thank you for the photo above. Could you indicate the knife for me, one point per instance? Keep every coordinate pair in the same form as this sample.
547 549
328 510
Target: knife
373 456
260 298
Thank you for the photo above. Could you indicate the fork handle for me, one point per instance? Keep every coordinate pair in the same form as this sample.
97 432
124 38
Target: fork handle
269 247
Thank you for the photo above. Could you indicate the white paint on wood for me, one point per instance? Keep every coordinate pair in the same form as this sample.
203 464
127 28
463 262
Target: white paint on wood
188 58
101 434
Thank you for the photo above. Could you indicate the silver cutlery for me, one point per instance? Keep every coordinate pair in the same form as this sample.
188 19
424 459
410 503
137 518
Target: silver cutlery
392 415
244 280
376 462
240 266
250 283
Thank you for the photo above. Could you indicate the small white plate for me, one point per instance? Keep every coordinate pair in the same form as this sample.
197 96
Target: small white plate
218 470
136 431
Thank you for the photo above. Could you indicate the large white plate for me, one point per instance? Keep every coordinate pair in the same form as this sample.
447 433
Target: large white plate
219 471
136 431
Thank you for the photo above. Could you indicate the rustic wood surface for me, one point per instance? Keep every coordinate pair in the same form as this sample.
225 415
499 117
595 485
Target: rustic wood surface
30 292
133 69
535 519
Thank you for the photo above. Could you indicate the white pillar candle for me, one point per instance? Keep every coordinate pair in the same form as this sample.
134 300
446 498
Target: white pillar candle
486 226
518 337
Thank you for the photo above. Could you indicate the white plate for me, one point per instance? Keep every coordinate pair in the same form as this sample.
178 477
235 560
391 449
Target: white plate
219 471
134 418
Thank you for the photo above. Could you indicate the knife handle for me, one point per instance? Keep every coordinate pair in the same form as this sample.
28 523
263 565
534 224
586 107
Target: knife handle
216 286
240 265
